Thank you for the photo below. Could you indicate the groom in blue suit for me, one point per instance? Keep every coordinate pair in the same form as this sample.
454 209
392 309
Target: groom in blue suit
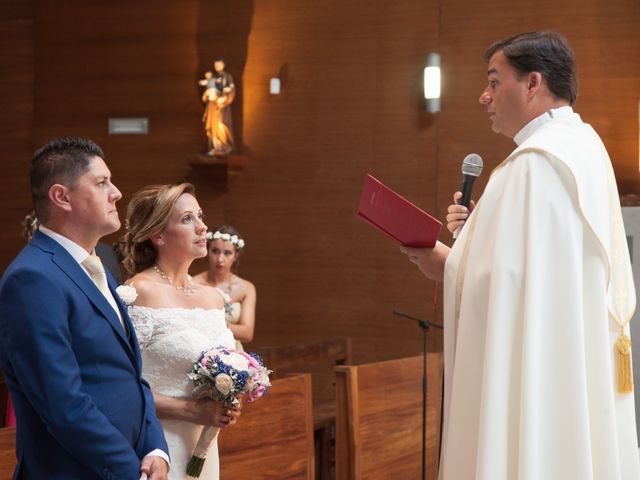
67 347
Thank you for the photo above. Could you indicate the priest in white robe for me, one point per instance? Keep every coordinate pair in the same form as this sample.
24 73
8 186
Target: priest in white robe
538 291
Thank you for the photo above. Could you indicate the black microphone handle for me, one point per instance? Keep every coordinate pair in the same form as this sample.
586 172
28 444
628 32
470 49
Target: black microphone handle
467 186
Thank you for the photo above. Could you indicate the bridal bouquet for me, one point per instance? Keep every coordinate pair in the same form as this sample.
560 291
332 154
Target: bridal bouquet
224 375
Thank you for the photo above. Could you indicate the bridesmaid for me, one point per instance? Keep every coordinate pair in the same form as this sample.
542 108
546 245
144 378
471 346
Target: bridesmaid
225 246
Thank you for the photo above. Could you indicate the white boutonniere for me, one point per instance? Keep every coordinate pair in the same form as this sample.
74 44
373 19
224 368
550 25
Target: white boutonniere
127 294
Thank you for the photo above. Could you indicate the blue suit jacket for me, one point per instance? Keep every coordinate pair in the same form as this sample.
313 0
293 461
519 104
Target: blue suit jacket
82 407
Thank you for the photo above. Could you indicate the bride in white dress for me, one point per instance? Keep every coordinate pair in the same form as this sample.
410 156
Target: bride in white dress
175 319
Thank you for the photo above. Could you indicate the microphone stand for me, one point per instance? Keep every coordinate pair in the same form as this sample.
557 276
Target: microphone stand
424 325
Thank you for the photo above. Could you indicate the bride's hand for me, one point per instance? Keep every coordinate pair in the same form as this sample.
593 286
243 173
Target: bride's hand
218 414
200 412
230 415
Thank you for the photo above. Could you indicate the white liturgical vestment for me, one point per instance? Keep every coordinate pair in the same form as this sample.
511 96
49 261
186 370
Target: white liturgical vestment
536 286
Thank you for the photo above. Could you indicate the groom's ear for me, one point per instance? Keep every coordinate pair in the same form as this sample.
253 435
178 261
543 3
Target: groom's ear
59 197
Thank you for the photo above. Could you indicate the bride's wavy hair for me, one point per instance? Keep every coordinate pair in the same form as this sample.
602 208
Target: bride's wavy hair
148 213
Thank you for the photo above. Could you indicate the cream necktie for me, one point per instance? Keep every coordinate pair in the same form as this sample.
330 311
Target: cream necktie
96 271
94 266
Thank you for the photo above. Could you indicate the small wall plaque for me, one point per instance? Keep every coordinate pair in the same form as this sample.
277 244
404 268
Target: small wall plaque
128 126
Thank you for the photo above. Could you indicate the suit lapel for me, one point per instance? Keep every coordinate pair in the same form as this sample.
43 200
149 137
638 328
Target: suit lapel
77 275
132 340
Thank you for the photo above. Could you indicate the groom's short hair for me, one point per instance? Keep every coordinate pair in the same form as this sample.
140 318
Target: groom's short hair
63 161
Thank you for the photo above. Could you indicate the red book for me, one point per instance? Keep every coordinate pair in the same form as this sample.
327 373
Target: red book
395 216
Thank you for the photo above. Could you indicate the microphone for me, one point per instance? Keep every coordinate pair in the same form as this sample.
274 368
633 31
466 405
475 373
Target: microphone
471 169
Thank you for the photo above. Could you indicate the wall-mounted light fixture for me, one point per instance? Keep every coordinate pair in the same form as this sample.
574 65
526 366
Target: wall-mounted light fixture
432 83
274 86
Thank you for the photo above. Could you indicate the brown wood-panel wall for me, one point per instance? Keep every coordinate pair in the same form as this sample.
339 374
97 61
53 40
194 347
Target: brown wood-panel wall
16 120
351 103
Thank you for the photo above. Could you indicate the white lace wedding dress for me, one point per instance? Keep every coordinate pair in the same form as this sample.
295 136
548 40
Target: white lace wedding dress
171 340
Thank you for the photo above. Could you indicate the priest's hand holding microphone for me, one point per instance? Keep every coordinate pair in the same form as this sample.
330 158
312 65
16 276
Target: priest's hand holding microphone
462 207
431 261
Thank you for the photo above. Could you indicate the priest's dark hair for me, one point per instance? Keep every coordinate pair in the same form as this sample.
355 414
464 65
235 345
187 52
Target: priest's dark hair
548 53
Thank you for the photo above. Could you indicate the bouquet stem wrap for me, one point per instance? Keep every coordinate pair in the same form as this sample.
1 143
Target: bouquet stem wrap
207 436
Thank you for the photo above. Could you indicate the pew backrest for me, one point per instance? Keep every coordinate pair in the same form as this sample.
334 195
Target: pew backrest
273 438
379 419
318 358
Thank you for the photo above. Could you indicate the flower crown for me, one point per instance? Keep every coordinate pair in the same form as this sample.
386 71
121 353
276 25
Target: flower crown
227 237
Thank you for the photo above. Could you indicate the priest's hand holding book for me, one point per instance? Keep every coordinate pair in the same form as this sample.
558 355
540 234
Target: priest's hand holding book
414 229
430 261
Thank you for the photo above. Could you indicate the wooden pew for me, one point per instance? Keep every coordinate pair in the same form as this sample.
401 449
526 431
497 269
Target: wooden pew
273 438
8 459
318 358
379 419
290 357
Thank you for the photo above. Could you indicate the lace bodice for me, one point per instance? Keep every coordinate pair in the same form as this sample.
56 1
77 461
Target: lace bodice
172 339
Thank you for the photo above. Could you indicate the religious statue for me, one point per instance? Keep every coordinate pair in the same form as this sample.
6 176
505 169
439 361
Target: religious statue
217 97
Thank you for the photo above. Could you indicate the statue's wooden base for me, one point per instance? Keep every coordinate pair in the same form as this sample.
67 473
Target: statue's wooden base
215 172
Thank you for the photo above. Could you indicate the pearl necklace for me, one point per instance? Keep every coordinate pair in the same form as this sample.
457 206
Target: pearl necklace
188 290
